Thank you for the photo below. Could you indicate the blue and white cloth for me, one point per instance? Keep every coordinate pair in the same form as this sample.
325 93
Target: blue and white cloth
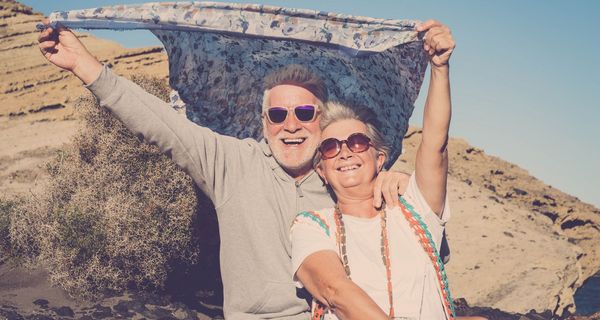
220 52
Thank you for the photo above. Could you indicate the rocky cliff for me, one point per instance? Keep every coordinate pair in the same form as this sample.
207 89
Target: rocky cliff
516 243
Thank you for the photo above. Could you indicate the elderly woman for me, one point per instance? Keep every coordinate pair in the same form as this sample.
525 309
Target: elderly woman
363 262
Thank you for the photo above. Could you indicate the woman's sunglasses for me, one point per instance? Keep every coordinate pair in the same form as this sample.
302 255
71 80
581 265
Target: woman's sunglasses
304 113
356 142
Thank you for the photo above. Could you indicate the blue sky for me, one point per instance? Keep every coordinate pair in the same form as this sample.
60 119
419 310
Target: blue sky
525 77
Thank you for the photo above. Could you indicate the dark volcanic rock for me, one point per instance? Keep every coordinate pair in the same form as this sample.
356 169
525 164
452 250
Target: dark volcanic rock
39 317
122 308
9 315
151 298
463 309
64 312
161 313
101 312
41 302
137 306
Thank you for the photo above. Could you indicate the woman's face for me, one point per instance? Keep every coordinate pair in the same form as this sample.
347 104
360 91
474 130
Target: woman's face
349 169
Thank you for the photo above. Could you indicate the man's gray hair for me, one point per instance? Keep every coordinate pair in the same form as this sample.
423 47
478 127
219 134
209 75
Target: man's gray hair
297 75
336 111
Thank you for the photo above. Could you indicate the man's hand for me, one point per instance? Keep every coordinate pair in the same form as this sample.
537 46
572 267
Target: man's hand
62 48
438 42
390 184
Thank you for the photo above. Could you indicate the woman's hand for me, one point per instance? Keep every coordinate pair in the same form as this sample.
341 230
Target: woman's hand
389 185
438 42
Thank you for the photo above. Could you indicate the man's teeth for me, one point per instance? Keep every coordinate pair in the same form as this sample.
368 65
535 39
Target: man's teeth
294 141
347 168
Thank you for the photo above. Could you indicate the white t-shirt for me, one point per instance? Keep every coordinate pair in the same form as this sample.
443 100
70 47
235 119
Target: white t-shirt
416 290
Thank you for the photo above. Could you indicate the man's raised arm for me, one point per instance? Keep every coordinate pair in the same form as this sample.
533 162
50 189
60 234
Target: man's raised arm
209 158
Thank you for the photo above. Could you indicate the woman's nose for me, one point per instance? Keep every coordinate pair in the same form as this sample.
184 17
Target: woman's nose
345 152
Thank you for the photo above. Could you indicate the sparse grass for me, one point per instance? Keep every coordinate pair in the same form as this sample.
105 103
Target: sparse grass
116 214
7 208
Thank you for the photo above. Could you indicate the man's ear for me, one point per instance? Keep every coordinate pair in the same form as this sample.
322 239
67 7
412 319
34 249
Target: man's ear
264 124
380 161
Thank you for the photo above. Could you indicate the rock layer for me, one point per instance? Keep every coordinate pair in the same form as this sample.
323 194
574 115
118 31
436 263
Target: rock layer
37 99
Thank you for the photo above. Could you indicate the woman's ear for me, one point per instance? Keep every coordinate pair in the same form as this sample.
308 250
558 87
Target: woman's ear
320 172
380 161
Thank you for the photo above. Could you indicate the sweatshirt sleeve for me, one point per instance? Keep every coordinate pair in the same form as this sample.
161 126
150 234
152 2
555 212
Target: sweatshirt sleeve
209 158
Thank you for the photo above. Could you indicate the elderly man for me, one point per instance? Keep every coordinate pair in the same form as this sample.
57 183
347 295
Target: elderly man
256 187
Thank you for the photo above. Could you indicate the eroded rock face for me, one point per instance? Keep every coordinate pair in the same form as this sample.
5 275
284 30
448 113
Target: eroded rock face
37 99
31 86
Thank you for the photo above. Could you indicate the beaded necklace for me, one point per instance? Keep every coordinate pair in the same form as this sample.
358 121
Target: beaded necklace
425 239
385 250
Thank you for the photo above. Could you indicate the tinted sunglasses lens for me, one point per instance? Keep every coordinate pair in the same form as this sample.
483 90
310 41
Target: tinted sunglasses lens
358 142
330 148
305 113
277 115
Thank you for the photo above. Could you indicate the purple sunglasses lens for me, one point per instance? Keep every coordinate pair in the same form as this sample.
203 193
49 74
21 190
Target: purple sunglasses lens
305 113
277 115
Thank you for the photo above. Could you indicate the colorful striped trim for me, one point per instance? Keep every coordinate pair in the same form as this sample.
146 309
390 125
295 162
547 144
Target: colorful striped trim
428 244
314 217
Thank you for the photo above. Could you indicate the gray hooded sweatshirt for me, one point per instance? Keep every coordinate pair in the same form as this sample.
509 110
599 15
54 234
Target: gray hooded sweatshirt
255 199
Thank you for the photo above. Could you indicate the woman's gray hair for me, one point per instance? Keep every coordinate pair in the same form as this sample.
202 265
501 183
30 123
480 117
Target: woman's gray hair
336 111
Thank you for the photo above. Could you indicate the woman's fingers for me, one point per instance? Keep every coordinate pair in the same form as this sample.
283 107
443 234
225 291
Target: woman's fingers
427 25
433 36
393 192
438 42
377 196
387 194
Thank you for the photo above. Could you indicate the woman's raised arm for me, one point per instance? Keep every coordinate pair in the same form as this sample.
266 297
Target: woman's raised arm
432 155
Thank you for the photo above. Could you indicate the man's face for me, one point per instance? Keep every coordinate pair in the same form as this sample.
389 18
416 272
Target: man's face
292 142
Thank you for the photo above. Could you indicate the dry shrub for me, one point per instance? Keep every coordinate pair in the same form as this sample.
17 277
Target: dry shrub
116 214
7 209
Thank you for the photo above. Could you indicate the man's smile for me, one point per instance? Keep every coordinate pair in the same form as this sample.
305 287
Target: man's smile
293 141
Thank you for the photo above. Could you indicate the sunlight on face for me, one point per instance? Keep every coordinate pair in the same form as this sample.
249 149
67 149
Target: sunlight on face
292 142
349 169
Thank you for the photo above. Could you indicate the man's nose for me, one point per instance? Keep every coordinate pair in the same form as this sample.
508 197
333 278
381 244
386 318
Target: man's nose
291 124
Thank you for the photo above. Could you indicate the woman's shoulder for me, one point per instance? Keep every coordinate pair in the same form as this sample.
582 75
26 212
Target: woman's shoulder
322 218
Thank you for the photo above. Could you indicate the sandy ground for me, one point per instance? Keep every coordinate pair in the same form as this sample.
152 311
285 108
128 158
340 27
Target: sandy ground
25 147
28 293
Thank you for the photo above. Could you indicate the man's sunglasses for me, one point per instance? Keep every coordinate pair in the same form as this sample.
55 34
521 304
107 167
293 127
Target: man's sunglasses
304 113
356 142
